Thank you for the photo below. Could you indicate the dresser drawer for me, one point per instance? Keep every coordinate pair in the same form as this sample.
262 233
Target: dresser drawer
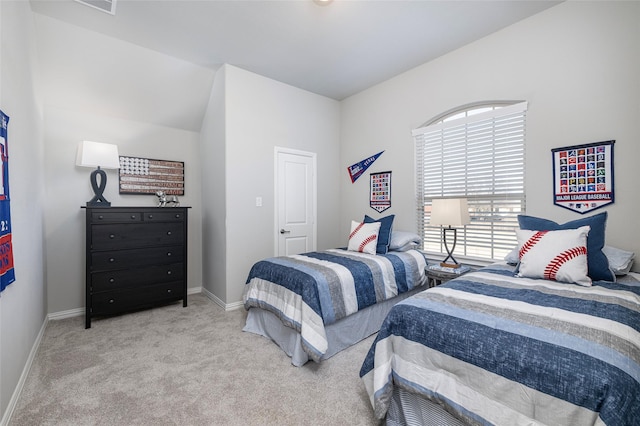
115 216
112 302
121 259
124 236
166 215
135 277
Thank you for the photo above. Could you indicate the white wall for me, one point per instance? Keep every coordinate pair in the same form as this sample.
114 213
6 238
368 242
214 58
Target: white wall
68 189
107 90
212 163
259 115
577 64
22 304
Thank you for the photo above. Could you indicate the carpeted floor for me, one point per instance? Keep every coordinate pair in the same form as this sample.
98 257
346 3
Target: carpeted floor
184 366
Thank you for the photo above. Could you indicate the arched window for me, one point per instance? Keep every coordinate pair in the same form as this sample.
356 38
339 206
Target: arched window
475 152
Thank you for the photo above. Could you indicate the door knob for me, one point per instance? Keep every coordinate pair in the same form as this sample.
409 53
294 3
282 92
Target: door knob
282 231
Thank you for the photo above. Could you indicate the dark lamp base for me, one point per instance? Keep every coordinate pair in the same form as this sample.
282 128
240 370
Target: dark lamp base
98 199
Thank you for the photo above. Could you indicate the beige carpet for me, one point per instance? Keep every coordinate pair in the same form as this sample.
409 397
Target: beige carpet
184 366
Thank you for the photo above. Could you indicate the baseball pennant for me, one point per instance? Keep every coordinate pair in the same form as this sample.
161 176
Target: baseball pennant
356 170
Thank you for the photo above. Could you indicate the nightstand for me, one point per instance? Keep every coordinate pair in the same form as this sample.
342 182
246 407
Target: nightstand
437 274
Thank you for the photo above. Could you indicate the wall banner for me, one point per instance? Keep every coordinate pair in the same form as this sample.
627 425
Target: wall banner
583 176
380 198
356 170
7 274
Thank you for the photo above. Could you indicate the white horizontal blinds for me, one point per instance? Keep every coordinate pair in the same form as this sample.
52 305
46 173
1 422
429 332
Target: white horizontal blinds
480 157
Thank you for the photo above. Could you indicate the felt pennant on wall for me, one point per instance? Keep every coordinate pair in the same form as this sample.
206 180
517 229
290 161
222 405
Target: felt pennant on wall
356 170
583 176
7 273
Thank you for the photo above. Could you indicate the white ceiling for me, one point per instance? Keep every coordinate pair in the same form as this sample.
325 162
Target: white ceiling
335 50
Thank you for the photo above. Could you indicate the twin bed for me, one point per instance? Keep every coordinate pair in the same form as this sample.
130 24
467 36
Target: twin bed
499 345
316 304
493 348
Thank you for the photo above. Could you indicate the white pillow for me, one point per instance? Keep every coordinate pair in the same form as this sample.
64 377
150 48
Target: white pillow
554 255
364 237
400 240
409 246
620 261
512 257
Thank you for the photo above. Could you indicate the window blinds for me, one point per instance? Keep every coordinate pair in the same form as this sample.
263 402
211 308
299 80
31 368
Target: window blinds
480 157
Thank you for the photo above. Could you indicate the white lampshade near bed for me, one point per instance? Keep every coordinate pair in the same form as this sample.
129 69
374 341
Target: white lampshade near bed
449 213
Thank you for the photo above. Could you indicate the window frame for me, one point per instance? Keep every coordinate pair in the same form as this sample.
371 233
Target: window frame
491 233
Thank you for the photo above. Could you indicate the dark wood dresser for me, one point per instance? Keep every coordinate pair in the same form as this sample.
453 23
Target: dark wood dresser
136 258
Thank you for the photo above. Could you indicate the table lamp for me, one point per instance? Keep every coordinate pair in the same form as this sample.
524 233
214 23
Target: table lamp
99 155
449 213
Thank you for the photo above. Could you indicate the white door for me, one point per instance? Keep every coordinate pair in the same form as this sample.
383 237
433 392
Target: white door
295 202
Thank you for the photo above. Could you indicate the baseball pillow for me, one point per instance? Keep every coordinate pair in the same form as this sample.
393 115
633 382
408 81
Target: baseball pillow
364 237
554 255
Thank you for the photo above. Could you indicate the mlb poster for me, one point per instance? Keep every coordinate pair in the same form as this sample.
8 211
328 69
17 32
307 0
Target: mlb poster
7 275
583 176
380 198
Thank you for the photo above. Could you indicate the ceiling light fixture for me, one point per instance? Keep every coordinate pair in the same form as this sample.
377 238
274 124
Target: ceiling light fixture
322 2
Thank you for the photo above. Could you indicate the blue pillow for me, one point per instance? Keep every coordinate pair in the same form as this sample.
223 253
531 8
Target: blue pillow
596 260
384 235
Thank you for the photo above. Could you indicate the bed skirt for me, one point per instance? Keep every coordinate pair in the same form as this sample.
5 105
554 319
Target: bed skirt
340 335
408 409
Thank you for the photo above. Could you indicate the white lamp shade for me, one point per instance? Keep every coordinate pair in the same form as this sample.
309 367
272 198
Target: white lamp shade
449 212
97 154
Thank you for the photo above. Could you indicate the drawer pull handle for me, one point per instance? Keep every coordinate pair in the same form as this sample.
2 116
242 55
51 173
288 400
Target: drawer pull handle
168 272
150 216
168 232
169 291
100 217
133 217
112 236
111 280
111 259
169 253
111 300
178 216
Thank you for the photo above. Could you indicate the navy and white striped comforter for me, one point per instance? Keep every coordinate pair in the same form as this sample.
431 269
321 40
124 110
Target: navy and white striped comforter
496 349
311 290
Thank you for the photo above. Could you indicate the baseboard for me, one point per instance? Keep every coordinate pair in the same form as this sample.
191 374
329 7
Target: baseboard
23 377
226 306
77 312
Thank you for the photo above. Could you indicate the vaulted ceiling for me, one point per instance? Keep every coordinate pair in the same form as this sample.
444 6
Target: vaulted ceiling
335 50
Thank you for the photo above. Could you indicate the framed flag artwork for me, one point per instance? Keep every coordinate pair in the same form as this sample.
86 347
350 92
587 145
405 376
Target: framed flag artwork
148 176
7 273
380 194
583 176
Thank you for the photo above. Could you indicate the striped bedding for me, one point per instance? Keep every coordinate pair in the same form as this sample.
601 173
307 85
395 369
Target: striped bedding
311 290
495 349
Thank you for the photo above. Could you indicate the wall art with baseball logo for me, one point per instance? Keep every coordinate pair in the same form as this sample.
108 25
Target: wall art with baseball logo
583 176
380 198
